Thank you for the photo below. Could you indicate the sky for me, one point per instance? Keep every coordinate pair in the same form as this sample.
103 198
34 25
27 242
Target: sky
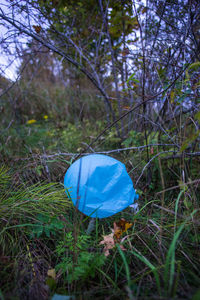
8 65
9 62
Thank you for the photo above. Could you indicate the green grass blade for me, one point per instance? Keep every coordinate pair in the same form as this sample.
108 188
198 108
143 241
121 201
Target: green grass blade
176 208
125 264
170 259
151 266
108 278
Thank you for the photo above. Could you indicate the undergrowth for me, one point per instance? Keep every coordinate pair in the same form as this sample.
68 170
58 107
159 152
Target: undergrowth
40 232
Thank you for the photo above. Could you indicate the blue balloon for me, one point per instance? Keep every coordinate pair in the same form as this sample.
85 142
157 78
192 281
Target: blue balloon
99 185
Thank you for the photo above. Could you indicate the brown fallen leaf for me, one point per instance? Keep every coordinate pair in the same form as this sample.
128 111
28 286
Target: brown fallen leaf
121 227
110 240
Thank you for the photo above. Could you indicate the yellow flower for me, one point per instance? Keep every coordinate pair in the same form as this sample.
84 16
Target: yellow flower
45 117
31 121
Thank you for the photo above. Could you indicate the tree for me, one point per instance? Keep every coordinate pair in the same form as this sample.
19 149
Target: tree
143 48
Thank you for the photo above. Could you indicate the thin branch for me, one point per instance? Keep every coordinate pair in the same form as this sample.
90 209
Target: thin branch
100 152
179 186
74 155
180 155
173 213
163 152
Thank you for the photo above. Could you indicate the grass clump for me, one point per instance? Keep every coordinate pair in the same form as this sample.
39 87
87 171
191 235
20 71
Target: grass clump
20 206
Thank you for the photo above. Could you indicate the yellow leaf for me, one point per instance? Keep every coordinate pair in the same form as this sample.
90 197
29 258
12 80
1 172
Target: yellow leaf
126 107
120 227
31 121
109 241
172 96
134 23
52 273
134 84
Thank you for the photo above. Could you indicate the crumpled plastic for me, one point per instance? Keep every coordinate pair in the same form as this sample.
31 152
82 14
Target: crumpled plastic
99 186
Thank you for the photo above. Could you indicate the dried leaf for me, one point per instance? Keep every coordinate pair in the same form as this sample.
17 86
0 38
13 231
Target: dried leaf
120 227
37 28
126 107
144 10
52 273
125 52
108 242
122 248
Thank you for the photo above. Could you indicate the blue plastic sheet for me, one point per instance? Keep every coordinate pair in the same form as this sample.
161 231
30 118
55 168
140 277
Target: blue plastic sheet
99 185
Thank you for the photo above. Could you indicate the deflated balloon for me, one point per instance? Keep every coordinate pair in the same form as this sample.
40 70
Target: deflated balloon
99 185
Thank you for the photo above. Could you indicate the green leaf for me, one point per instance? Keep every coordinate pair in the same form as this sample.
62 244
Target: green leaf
47 232
132 78
194 66
196 296
51 283
151 266
197 116
189 140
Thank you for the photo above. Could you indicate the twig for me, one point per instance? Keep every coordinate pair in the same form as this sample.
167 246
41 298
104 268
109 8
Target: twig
180 155
173 213
178 186
98 152
150 162
74 155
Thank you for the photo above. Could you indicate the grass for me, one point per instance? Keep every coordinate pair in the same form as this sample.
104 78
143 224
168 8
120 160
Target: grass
38 233
41 231
39 220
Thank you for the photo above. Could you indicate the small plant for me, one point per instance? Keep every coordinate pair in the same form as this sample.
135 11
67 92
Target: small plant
86 264
46 224
134 139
